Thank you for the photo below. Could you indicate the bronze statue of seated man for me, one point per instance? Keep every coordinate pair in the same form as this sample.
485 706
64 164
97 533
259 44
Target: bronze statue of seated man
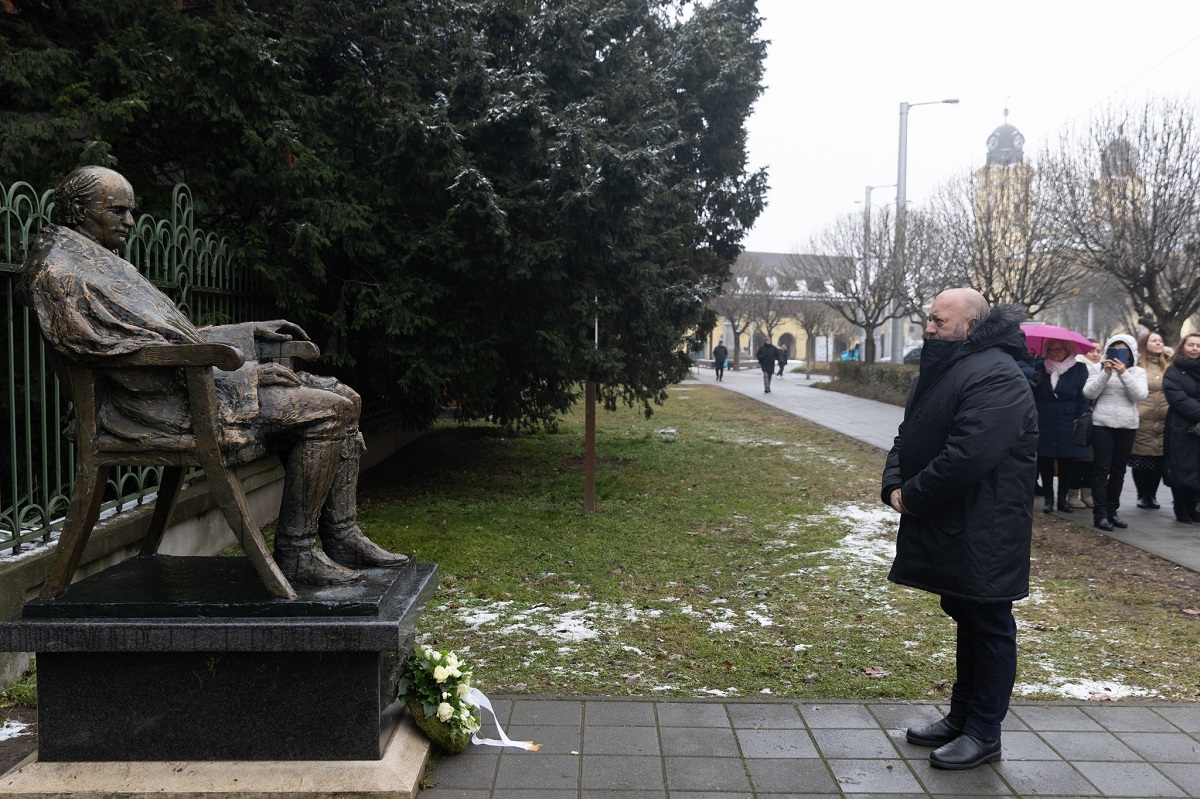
92 304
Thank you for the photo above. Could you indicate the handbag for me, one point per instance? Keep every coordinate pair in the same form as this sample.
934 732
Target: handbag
1081 429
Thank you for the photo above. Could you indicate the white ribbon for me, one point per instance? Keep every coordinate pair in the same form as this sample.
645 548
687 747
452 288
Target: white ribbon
477 697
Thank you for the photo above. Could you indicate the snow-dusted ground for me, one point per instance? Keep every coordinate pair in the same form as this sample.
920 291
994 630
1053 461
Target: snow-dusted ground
10 729
861 558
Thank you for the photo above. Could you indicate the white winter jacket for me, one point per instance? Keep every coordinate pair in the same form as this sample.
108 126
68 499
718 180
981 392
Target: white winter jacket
1116 396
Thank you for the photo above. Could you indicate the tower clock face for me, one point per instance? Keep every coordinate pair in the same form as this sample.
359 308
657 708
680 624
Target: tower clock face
993 142
1018 140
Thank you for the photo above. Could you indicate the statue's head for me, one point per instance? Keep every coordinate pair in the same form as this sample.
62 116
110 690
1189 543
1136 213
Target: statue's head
96 202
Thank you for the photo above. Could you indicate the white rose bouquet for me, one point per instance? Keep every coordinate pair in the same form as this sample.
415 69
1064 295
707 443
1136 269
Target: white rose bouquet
436 687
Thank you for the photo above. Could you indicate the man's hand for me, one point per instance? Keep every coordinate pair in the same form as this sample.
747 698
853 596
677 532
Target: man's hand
274 374
896 502
279 330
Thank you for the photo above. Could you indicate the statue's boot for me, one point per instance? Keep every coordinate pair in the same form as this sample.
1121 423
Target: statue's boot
309 474
341 537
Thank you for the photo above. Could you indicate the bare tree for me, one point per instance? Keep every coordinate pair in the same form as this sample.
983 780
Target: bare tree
1127 202
736 304
772 294
998 222
859 273
816 319
936 258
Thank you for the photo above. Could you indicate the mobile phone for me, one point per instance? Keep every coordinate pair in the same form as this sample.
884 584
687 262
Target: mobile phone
1119 354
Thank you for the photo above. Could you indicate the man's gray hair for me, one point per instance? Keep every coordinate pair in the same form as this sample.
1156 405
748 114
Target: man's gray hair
74 192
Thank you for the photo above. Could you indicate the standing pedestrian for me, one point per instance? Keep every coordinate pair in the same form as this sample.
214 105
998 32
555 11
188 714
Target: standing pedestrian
1146 461
1058 382
720 353
1116 387
961 475
1181 447
766 355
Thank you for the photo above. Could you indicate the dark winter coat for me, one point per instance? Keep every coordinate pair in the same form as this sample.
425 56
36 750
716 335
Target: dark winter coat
965 459
766 355
1058 408
1181 450
720 353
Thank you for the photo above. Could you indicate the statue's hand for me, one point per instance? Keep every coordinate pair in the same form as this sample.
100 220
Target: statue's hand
279 330
275 374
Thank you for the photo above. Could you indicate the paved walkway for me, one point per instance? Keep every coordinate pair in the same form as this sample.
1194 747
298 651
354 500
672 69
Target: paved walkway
607 748
618 748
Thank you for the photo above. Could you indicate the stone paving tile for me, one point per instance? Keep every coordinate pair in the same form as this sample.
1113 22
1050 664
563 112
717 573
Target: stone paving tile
881 776
552 772
586 794
620 741
455 793
854 744
776 743
1027 746
847 716
1185 718
474 768
1044 778
1162 747
692 714
765 717
554 711
555 739
706 774
1055 718
1089 746
790 776
532 794
1128 779
622 773
901 717
982 781
697 795
1129 719
619 714
702 742
1185 775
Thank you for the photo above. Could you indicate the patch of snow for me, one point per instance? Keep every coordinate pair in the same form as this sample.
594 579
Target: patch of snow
10 729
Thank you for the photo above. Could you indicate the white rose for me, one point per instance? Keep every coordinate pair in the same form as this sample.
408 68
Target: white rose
462 691
445 711
440 674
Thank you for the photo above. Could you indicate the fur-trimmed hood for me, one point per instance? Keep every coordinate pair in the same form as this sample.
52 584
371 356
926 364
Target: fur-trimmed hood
1002 328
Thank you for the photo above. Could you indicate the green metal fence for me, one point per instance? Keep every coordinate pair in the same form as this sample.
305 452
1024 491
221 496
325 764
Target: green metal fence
37 465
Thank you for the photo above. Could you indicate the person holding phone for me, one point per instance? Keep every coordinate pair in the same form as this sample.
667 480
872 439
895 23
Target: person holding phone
1116 388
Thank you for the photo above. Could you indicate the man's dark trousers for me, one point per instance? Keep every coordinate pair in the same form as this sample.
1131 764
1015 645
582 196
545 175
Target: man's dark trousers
986 662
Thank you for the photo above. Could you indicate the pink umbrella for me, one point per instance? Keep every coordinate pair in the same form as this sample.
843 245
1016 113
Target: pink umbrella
1037 334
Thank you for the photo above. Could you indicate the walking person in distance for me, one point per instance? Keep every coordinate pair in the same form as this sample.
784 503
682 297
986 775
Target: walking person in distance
720 354
961 474
767 356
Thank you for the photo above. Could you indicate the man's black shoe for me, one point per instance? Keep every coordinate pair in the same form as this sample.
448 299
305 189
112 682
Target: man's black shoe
1117 521
964 752
1104 524
939 733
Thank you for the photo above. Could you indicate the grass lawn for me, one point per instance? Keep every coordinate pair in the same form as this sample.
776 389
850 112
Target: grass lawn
737 551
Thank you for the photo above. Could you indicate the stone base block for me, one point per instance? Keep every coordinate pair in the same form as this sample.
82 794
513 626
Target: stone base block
396 776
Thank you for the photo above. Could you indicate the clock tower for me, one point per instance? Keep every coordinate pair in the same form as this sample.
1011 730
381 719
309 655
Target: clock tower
1004 146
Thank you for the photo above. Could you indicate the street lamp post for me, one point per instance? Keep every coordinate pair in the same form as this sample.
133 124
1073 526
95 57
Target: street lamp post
898 324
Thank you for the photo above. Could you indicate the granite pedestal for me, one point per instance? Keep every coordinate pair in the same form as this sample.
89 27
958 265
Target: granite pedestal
167 659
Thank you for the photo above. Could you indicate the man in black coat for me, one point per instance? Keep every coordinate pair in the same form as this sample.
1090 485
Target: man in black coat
720 353
767 355
961 474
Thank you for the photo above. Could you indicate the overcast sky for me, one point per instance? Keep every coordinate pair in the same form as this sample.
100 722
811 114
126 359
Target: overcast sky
827 125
